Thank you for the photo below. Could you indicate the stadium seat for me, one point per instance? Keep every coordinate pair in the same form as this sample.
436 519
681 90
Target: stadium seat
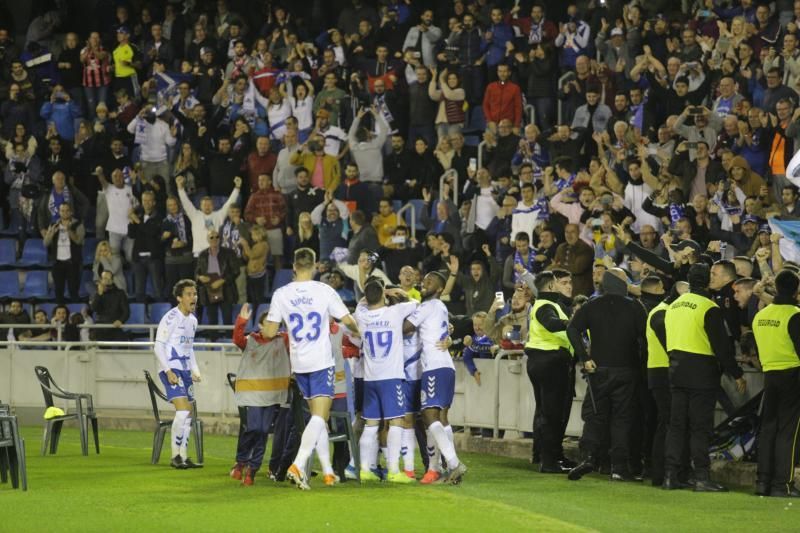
14 224
262 308
89 248
12 451
88 287
9 284
419 205
218 201
84 412
472 140
8 253
47 308
76 308
282 277
158 310
34 255
37 286
137 314
161 426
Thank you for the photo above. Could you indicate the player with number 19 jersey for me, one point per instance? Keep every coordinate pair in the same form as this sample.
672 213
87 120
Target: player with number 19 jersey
306 308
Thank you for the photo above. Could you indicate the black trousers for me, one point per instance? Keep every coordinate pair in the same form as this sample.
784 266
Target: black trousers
253 441
663 400
549 374
67 273
608 420
780 423
692 415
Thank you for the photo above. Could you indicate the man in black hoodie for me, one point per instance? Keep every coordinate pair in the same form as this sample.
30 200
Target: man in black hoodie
616 326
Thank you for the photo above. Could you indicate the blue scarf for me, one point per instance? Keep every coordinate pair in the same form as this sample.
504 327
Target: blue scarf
518 261
55 202
180 226
676 212
562 184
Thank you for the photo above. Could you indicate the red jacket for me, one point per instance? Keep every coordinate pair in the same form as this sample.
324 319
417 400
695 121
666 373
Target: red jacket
501 101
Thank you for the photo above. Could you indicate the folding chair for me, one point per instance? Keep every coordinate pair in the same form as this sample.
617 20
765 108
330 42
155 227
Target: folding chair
83 414
12 451
161 426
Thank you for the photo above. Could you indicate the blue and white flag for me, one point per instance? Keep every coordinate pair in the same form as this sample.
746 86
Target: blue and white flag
790 243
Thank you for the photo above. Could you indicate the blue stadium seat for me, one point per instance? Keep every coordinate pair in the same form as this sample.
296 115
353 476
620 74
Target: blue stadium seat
218 201
9 284
88 287
36 286
75 308
419 205
472 140
89 248
46 307
8 252
34 254
158 310
137 314
282 277
262 308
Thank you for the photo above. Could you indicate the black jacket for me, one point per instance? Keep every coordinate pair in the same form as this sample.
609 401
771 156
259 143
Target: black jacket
616 325
146 236
110 306
229 270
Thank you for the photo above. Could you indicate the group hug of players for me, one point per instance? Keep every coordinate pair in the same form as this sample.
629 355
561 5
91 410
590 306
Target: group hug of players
402 369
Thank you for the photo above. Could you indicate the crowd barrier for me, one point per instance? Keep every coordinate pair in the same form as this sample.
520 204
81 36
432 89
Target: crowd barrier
112 373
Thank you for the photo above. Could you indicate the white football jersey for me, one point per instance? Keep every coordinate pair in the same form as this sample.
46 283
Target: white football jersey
382 340
175 340
431 320
306 307
412 357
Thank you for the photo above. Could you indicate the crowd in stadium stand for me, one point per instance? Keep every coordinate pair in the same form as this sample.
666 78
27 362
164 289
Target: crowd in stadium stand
153 141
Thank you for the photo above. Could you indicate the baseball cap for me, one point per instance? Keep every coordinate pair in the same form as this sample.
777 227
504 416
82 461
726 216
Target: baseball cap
616 31
750 218
124 29
764 228
206 50
687 243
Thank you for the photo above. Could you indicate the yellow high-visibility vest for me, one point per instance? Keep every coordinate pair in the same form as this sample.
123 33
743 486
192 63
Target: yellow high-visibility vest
656 354
539 337
685 324
771 330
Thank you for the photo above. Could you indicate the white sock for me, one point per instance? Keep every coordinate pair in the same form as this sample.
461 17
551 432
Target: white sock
385 453
177 431
394 441
187 430
448 429
324 451
369 447
434 457
407 449
443 443
308 441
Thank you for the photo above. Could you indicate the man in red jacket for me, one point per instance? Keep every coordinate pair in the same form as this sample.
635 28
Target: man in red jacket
503 99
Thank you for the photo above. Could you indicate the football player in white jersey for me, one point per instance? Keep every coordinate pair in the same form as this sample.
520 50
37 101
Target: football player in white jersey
412 353
438 378
306 306
381 328
179 370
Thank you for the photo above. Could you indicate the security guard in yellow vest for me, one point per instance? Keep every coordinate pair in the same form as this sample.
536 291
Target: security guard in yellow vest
777 332
658 377
697 343
549 360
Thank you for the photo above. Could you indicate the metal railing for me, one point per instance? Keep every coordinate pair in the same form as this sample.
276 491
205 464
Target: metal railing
481 146
413 224
530 111
560 104
502 354
454 187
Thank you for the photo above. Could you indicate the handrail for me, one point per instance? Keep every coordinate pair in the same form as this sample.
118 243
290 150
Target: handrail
561 86
413 218
451 172
531 112
104 344
500 355
480 154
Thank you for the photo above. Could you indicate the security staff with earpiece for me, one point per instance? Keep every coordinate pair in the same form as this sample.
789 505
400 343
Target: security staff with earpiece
697 344
777 332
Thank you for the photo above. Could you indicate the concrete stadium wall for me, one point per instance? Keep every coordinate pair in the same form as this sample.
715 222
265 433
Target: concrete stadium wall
116 381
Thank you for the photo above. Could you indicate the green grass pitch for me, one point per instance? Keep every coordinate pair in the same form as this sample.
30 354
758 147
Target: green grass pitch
120 491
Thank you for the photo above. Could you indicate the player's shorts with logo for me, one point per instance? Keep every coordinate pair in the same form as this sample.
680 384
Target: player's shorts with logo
384 399
319 383
438 387
184 388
